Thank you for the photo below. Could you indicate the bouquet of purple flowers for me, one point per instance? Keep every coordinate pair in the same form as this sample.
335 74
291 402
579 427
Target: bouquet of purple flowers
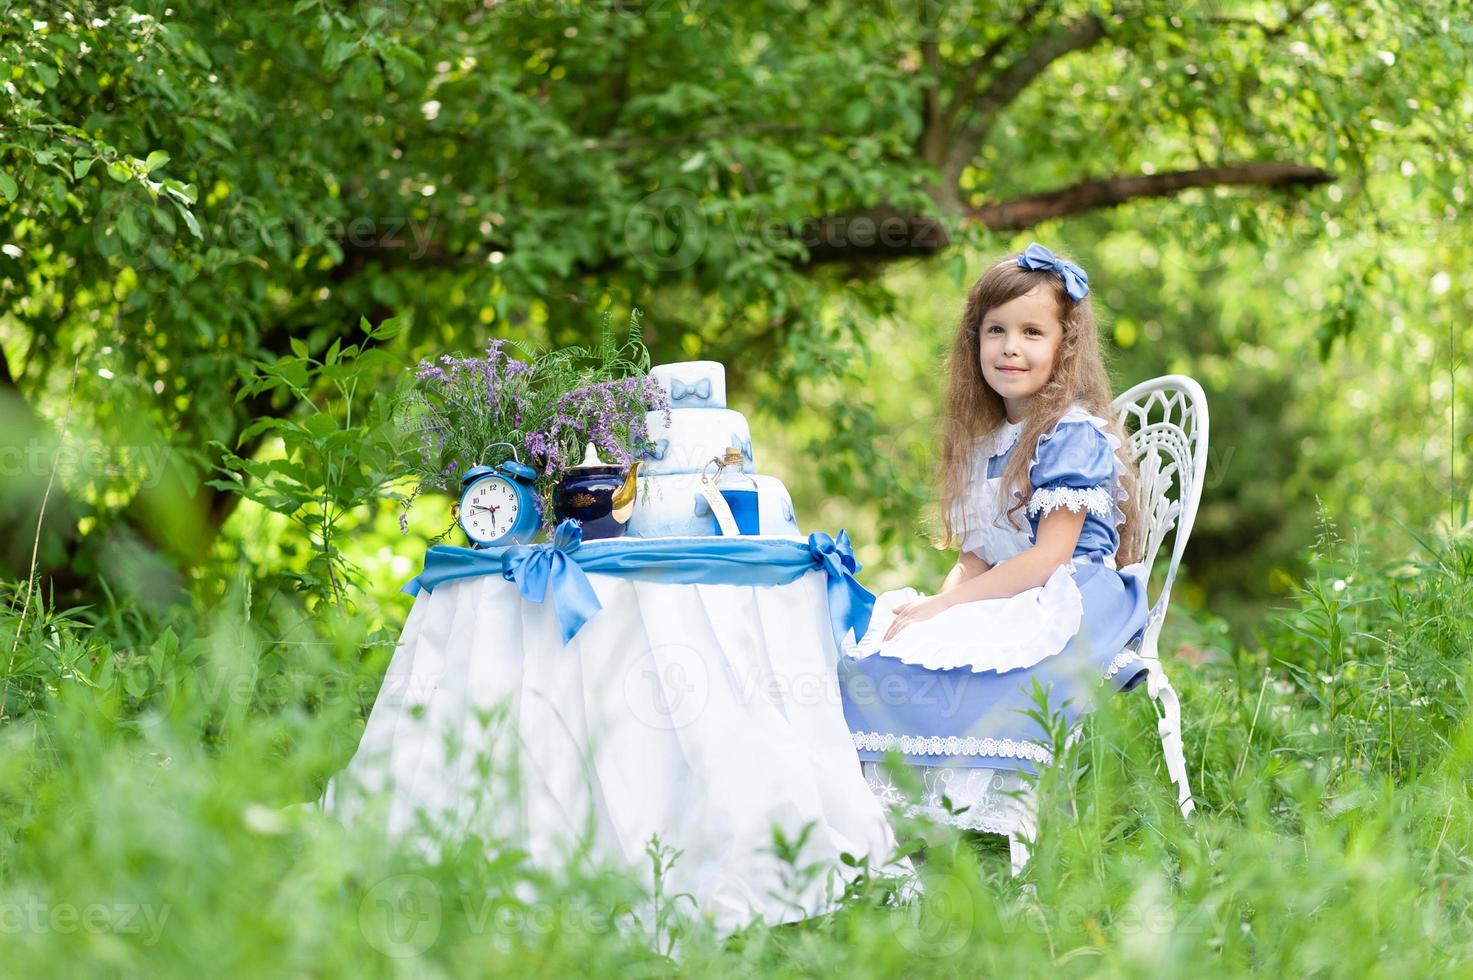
460 412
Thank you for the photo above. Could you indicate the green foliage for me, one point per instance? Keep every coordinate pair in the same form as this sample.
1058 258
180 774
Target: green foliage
48 649
1331 834
332 463
1377 651
212 180
198 201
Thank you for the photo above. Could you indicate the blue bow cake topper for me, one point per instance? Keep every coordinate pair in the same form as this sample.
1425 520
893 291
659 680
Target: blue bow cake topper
679 389
1076 280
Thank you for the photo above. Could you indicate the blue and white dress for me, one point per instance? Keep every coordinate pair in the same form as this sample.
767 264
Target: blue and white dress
951 693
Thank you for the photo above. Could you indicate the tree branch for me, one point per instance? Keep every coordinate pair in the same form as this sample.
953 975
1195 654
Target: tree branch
968 87
691 139
1010 83
1290 19
880 234
935 133
1025 212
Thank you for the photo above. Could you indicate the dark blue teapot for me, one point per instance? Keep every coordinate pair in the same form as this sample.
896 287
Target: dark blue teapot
597 494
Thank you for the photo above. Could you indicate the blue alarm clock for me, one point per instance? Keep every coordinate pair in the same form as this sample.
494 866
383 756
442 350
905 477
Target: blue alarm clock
499 506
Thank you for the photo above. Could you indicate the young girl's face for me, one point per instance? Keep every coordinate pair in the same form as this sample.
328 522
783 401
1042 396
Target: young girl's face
1019 341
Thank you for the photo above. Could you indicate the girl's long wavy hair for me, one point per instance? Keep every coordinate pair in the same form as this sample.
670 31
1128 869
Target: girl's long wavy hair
974 409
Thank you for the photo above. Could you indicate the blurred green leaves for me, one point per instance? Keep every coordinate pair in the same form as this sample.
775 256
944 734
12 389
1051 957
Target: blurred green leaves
512 171
330 462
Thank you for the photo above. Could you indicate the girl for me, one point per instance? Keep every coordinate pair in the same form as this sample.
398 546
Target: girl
1033 483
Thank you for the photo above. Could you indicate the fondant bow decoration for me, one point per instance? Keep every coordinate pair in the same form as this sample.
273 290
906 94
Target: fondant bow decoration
1076 280
538 568
850 603
679 389
661 447
744 444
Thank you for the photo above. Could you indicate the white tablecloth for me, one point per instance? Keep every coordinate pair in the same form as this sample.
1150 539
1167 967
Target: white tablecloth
705 714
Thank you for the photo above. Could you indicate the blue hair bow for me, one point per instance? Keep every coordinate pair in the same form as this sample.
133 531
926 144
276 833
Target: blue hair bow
1076 280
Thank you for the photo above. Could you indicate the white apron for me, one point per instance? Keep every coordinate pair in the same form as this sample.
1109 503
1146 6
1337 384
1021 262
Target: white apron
986 634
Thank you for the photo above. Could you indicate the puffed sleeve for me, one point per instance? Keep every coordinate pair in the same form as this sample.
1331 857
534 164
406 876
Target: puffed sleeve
1074 467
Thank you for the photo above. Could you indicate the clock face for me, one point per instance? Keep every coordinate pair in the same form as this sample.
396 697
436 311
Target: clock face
489 508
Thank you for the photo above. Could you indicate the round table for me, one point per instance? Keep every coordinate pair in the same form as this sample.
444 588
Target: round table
704 714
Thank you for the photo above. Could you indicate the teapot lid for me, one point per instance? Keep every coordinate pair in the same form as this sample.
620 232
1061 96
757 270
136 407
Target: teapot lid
592 460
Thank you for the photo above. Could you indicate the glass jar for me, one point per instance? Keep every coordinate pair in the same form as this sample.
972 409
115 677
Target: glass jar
737 488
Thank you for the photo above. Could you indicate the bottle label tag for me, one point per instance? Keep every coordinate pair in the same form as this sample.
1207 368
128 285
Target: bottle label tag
720 509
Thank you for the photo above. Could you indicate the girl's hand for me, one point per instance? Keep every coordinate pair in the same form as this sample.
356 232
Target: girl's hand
913 612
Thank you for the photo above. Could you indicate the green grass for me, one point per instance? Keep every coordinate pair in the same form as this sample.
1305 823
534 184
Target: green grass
145 768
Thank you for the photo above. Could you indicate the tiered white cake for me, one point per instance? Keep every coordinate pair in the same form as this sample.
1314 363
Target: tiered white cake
700 427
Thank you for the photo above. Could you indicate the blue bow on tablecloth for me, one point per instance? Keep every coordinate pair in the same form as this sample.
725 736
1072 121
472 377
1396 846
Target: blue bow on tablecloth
539 568
850 603
562 566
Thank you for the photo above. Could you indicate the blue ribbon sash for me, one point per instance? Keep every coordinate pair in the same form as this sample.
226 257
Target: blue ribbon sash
559 568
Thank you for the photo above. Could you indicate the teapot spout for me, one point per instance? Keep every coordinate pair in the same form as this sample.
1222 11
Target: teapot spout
623 498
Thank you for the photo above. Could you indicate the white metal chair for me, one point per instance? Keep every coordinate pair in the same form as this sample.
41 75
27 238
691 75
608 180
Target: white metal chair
1166 419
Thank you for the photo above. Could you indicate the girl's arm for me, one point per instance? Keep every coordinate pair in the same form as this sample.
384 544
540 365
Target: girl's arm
968 566
1058 533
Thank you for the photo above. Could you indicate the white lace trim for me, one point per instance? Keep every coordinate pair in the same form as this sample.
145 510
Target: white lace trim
1096 500
952 745
996 442
1122 658
994 799
1077 413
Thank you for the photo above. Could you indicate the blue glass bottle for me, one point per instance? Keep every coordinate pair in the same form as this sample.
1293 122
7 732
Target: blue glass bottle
739 491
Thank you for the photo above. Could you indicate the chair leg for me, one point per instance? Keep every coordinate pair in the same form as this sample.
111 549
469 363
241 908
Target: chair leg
1025 829
1018 852
1169 727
